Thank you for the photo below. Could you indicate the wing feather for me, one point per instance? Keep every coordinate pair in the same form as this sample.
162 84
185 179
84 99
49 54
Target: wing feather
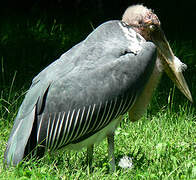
64 130
73 130
106 73
91 97
55 133
48 130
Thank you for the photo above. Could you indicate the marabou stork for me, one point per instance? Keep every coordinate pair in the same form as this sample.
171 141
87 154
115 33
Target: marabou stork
79 99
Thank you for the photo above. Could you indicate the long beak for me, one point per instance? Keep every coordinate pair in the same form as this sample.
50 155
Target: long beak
172 65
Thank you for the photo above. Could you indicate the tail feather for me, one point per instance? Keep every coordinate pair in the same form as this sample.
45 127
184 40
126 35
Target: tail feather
21 140
18 140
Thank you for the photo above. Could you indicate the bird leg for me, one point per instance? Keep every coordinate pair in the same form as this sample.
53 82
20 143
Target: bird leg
111 157
90 155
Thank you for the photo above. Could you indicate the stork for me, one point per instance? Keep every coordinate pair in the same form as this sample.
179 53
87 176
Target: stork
80 98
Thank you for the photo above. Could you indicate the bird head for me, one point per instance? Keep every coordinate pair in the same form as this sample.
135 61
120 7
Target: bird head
145 22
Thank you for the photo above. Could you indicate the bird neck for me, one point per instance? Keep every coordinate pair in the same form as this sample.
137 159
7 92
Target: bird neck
143 100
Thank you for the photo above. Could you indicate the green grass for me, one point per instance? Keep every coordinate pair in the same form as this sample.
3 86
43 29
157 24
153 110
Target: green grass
162 144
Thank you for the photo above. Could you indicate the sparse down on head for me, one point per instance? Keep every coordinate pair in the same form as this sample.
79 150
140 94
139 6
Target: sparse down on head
145 22
140 17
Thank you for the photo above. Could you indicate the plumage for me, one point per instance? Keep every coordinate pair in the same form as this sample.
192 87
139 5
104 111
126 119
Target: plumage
82 92
80 98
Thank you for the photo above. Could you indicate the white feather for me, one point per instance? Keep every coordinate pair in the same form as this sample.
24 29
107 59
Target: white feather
179 66
135 39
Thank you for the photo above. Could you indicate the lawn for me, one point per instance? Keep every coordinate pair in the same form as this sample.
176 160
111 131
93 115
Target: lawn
162 144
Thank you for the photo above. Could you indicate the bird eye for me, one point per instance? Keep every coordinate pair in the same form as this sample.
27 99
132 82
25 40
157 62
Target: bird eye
152 27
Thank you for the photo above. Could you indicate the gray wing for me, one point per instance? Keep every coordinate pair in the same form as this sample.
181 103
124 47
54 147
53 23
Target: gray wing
87 101
83 91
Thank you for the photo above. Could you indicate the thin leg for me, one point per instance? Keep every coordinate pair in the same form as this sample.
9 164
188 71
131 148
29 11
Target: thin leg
90 155
111 157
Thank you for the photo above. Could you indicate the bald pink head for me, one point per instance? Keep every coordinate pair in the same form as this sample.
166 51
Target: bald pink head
141 18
